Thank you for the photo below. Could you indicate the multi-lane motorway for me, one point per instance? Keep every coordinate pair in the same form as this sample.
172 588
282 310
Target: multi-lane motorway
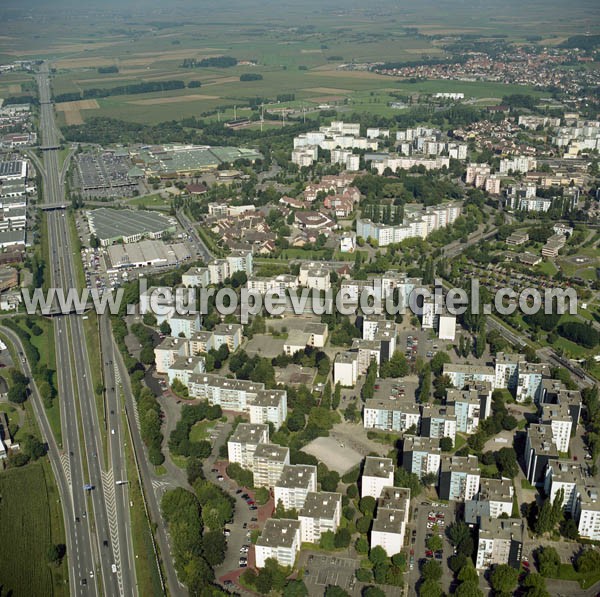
98 528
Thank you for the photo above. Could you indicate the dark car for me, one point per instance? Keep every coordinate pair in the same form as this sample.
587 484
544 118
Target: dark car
238 491
253 508
253 519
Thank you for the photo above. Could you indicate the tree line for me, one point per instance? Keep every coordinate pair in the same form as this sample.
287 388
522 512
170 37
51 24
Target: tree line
132 89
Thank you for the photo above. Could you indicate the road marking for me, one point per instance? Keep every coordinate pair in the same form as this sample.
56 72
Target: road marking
108 485
65 461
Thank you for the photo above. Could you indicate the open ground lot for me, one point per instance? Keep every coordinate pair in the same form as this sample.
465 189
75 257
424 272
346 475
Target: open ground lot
336 455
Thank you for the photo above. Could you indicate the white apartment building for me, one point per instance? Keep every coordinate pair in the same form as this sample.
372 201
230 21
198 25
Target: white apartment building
565 475
168 351
196 277
321 512
345 369
230 334
269 406
388 531
295 483
587 513
438 422
506 370
185 325
377 473
500 542
183 368
498 493
391 414
559 418
242 444
280 540
467 408
389 526
268 464
462 375
459 478
421 455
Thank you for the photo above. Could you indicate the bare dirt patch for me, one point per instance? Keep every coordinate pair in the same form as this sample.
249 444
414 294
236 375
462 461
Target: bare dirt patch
172 100
328 90
73 117
87 104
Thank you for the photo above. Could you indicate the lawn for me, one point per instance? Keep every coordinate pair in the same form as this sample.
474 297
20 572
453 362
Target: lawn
154 201
201 430
146 566
567 572
31 523
547 268
92 338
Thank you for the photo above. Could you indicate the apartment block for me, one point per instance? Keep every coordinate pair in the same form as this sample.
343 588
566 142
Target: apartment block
540 449
280 540
391 414
269 461
243 443
168 351
295 483
462 375
467 408
377 473
459 478
321 512
438 422
559 418
421 455
269 406
500 541
345 369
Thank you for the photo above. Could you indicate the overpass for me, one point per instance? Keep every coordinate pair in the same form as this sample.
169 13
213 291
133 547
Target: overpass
53 206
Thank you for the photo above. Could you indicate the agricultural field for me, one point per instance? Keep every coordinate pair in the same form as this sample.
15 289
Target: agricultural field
299 56
30 519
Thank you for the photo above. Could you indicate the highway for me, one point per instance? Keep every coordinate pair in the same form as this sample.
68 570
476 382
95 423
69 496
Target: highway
101 553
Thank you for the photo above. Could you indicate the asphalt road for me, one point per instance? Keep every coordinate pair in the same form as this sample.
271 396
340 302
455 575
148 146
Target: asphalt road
98 537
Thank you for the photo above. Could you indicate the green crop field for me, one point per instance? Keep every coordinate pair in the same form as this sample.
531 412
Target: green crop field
30 524
296 48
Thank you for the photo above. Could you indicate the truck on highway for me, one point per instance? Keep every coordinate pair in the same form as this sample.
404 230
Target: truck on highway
122 482
88 487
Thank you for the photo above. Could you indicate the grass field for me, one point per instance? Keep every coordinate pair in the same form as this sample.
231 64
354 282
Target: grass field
201 430
295 48
31 523
146 568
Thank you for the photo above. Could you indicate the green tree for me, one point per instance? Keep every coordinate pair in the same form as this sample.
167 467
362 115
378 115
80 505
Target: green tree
295 588
469 588
548 561
588 561
435 543
373 592
362 545
506 461
430 588
327 541
342 538
446 444
377 555
431 570
333 591
367 505
503 579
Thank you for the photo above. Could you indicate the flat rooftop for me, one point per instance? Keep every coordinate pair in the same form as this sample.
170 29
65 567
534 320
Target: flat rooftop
376 466
246 433
297 475
321 504
279 533
388 521
272 452
109 223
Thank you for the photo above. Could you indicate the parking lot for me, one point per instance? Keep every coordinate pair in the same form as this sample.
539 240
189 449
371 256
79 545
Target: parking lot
324 570
104 174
